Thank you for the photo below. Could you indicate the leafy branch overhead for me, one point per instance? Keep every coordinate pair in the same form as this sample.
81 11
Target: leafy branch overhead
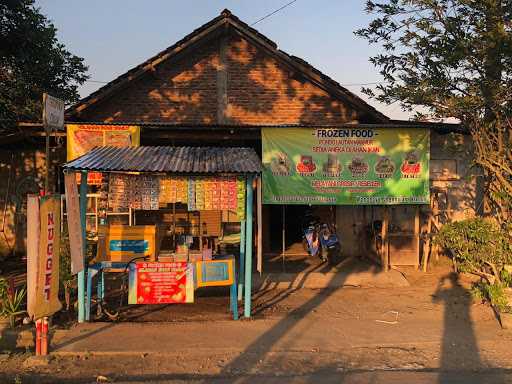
32 61
454 59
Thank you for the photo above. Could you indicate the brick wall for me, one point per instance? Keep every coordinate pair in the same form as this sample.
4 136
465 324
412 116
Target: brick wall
263 90
259 90
180 91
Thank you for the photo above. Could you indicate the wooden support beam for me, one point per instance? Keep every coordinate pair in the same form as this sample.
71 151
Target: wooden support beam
248 248
259 219
241 274
428 241
385 240
83 221
417 234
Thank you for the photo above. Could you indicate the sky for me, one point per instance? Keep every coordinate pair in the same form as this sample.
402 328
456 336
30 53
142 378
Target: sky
114 36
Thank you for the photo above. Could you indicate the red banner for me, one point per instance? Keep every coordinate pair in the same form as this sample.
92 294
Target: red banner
161 283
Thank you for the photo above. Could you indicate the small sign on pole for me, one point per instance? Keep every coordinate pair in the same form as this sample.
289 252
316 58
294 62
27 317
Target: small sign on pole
53 113
53 118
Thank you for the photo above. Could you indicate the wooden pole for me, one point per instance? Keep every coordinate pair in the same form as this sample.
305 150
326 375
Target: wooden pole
47 149
248 248
83 220
259 216
385 245
241 274
427 245
417 234
283 249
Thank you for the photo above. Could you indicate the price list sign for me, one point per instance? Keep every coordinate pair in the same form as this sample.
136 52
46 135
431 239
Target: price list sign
161 283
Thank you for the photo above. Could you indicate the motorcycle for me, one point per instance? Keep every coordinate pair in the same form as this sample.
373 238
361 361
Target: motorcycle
330 246
320 239
310 240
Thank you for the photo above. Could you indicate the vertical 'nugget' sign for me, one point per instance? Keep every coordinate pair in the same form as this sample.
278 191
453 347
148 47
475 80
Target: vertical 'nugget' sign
48 266
47 290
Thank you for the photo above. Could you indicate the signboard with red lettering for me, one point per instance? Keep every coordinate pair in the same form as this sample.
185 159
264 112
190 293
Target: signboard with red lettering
81 138
47 286
161 283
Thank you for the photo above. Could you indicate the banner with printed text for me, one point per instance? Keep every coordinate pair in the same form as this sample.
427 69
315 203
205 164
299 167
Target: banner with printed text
47 286
345 166
81 138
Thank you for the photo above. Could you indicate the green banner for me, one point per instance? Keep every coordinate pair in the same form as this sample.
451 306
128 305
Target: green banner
345 166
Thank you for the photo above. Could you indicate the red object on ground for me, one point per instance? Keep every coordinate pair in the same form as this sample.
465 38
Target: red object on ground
39 325
44 337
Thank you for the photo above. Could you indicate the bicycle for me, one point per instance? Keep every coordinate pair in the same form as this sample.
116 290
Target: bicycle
112 311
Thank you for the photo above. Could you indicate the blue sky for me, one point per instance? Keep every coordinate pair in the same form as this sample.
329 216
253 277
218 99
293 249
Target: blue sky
114 36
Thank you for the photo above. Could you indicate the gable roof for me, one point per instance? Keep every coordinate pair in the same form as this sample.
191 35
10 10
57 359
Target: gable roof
227 20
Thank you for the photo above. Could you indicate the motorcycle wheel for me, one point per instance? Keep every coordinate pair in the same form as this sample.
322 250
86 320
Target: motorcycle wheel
324 254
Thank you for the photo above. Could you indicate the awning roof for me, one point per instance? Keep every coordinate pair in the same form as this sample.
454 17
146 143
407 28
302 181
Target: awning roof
184 160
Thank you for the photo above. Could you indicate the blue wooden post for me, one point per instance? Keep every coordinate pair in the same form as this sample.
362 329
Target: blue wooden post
242 260
234 297
248 248
81 274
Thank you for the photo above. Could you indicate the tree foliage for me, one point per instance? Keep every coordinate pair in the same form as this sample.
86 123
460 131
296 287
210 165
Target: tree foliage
32 61
454 58
479 246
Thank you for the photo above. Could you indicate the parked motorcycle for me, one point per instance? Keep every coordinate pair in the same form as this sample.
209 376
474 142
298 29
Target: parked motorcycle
330 246
310 240
320 239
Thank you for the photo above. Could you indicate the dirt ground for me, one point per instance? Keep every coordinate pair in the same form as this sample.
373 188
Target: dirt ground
431 331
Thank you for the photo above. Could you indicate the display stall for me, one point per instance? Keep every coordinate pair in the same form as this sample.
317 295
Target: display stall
183 203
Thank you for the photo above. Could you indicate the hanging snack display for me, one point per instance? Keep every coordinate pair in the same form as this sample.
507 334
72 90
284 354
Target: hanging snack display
240 198
149 186
118 193
167 191
182 190
200 195
147 192
191 194
133 191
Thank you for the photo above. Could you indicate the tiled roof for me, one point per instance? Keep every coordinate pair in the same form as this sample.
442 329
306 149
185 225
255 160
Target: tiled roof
179 160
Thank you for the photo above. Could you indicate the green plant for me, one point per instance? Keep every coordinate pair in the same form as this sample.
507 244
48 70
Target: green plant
12 304
3 287
479 246
493 293
65 275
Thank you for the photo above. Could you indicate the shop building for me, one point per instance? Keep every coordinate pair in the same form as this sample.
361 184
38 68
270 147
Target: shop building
220 86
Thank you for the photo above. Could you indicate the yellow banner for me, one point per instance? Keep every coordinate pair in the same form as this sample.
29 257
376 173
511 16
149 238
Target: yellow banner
81 138
47 288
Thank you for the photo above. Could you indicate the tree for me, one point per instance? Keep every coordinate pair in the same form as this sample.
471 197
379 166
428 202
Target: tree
32 61
454 58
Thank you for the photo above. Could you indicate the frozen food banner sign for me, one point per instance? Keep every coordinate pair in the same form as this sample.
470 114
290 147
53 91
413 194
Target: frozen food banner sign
346 166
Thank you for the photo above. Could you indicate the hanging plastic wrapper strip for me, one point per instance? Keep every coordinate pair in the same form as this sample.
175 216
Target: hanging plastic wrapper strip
133 191
149 192
240 198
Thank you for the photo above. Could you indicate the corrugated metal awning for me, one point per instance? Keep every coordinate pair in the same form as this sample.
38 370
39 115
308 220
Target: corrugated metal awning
185 160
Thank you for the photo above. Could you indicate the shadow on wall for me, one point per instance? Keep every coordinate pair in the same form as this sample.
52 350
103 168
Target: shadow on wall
187 89
22 172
